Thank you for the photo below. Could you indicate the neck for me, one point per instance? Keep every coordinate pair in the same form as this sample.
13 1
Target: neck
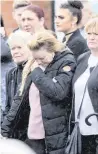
95 53
71 30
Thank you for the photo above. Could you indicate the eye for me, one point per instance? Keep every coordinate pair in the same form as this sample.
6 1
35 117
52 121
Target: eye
89 33
19 15
95 34
19 47
60 17
29 19
23 19
13 48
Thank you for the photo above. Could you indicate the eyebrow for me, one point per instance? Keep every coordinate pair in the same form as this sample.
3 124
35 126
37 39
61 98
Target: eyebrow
60 16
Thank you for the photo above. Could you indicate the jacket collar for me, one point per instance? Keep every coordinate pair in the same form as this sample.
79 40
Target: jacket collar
81 67
75 33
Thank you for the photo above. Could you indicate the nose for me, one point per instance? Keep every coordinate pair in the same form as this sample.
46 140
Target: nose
92 36
25 23
56 20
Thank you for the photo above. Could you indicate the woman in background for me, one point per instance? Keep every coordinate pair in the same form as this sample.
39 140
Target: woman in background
85 83
67 20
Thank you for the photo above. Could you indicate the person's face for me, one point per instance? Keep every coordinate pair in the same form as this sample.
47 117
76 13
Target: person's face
20 52
43 57
92 41
63 20
30 22
17 15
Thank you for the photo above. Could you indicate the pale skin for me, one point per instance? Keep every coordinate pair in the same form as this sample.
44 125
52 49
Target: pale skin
42 58
92 41
64 21
30 22
20 52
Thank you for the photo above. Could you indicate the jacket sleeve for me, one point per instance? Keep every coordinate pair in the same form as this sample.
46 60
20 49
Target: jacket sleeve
79 47
8 96
9 120
58 87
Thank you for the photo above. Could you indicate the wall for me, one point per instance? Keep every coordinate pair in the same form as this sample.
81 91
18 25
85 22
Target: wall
10 24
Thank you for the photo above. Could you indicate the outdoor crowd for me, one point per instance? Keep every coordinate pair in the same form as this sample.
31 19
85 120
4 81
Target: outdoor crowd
50 91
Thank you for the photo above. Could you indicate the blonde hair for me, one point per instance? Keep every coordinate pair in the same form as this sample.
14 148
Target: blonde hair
20 36
45 39
92 25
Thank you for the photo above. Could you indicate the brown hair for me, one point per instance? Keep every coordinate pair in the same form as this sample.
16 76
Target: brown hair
36 9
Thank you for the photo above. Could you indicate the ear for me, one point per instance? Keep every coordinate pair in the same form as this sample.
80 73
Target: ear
74 21
42 20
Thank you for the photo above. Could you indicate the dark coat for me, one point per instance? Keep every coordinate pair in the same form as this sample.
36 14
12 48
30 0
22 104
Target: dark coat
6 65
55 99
77 44
92 85
13 79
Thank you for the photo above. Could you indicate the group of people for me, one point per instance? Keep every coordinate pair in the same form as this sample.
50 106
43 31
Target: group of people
52 80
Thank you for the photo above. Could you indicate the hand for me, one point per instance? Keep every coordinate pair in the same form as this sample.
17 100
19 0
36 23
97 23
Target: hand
34 65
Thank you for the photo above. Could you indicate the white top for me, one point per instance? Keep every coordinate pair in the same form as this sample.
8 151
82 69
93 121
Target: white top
87 107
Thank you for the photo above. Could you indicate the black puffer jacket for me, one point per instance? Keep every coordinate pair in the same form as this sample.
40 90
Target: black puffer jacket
55 99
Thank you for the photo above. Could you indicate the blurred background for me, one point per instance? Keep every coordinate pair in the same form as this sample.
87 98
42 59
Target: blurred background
49 7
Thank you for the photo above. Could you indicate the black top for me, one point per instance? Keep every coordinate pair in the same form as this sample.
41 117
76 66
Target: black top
77 43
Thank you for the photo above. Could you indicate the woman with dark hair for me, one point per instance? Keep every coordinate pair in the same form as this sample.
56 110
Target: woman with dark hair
32 19
68 17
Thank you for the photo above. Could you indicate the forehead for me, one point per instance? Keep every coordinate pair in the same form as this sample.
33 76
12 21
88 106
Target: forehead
28 14
14 43
63 12
40 52
19 10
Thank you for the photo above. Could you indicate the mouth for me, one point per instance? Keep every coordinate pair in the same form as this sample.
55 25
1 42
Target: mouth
17 56
27 29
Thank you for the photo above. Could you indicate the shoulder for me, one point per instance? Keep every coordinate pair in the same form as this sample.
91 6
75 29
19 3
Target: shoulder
83 56
68 58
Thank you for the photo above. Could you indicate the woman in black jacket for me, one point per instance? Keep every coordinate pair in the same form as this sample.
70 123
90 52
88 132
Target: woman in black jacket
85 83
68 18
46 86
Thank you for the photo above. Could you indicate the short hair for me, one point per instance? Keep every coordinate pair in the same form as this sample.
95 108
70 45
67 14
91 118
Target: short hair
36 9
20 4
21 36
75 7
92 25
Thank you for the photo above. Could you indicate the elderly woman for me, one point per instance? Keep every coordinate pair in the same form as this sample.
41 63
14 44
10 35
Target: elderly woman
46 87
85 83
20 54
